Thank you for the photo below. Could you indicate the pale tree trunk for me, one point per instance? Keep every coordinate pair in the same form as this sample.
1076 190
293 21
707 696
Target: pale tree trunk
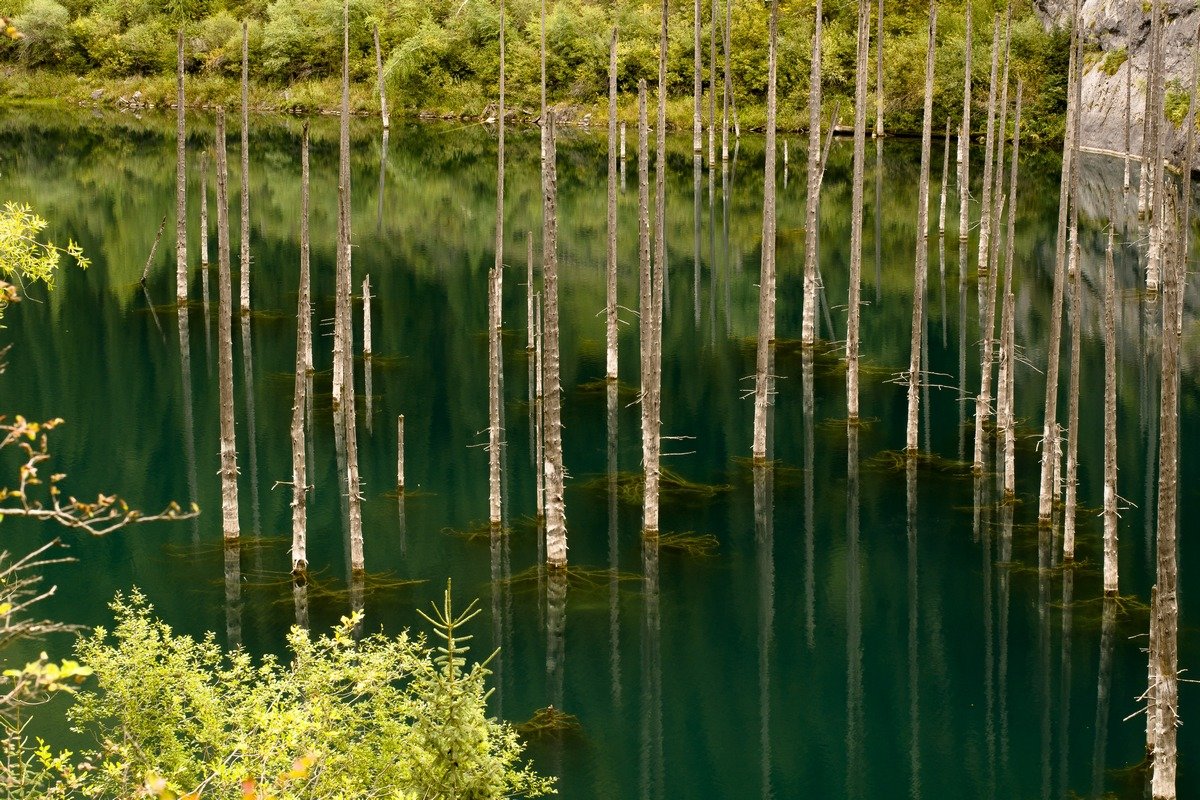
1008 324
945 182
1076 304
989 145
1129 4
766 281
542 56
383 106
400 455
657 288
1050 418
611 271
299 401
1143 197
539 418
181 265
366 296
645 301
922 255
1154 252
204 256
964 141
229 470
808 330
712 86
495 357
1189 152
1110 425
244 253
697 85
1152 680
856 210
879 71
727 94
1166 610
529 300
556 518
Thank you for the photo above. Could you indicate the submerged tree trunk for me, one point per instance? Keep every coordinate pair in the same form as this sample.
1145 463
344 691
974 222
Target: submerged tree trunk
244 253
1110 425
1050 419
539 418
1007 323
495 357
611 271
989 145
964 141
945 182
366 298
766 281
712 86
383 106
879 72
921 260
556 518
727 94
808 334
1129 6
181 265
299 399
856 210
645 305
697 85
229 470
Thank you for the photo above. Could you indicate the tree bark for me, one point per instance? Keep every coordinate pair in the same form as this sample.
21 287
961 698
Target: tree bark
383 106
879 72
539 415
856 209
964 140
400 455
727 94
299 399
945 182
1008 324
244 254
1129 4
366 295
645 304
181 265
712 86
697 85
229 470
766 282
989 145
611 271
495 294
1110 426
556 519
921 260
808 330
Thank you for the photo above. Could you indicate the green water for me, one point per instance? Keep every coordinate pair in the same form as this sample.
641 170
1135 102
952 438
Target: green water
829 648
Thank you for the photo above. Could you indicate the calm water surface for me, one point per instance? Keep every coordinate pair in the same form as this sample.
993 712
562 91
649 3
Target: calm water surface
848 638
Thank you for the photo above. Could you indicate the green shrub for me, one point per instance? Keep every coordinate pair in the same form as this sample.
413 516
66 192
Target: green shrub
47 39
1113 60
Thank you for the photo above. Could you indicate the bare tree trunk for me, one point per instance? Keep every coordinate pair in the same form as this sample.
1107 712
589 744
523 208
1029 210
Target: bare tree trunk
1189 153
645 305
964 140
727 94
1148 107
712 86
400 455
766 281
989 145
229 470
697 85
1110 425
1050 419
808 334
1166 610
1152 680
1129 4
299 400
611 272
856 209
244 255
539 419
383 106
181 265
530 303
495 296
366 295
1076 305
1008 324
879 72
945 181
922 255
556 518
1154 253
542 55
657 288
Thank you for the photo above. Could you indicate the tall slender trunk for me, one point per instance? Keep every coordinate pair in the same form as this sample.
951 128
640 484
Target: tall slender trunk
181 265
1008 324
539 419
1129 5
1189 153
712 86
1076 307
808 334
645 303
921 260
495 282
366 298
1154 252
299 398
1050 418
542 56
383 106
856 209
1110 425
244 253
697 85
945 182
727 94
229 470
989 145
1148 106
964 141
879 71
766 281
611 271
556 518
658 286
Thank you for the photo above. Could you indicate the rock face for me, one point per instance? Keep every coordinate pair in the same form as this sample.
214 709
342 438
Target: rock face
1107 30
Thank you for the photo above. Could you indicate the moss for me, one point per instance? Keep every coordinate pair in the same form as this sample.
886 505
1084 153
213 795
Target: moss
1175 104
1113 60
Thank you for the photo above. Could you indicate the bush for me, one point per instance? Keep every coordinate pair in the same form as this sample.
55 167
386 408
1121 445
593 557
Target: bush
47 39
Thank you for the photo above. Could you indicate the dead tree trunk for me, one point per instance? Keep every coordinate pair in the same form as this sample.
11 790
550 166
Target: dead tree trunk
556 518
766 281
1050 419
229 470
697 85
1076 306
945 182
645 303
300 400
400 455
1007 322
1154 113
366 295
964 141
244 253
856 209
611 272
542 56
383 106
712 86
495 358
181 265
539 418
727 94
879 72
1110 425
922 255
808 331
989 145
1129 4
